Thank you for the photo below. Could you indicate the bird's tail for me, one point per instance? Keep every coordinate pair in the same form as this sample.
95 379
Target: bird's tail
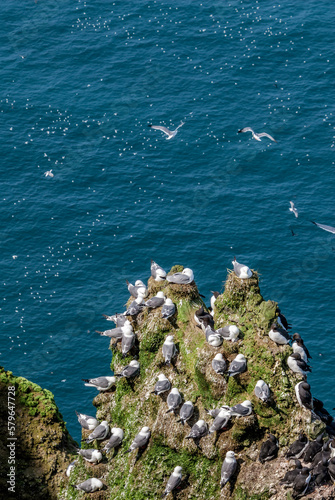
128 451
222 483
171 409
168 362
154 392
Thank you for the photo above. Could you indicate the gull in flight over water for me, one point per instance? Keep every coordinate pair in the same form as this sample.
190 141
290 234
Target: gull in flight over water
330 229
293 209
170 133
48 173
257 136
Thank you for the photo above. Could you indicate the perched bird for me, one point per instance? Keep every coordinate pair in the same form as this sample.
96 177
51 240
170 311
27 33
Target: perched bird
293 209
219 364
298 447
320 472
282 321
255 135
173 400
156 301
100 383
331 468
297 365
174 481
141 439
279 335
135 307
115 440
241 410
299 347
304 396
89 486
238 365
214 413
198 431
186 412
183 278
162 385
169 349
213 299
203 318
262 391
116 333
213 338
332 448
290 475
91 456
313 448
157 272
230 332
138 288
168 309
118 319
220 421
127 342
301 482
323 454
241 270
130 370
170 133
330 229
86 421
228 468
71 467
100 433
269 449
322 413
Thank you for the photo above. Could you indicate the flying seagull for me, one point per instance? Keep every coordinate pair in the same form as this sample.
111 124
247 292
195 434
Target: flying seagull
48 173
330 229
257 136
293 209
170 133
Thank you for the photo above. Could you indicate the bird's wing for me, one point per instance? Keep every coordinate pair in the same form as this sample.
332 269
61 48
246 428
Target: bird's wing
140 440
172 483
162 129
247 129
181 124
264 134
330 229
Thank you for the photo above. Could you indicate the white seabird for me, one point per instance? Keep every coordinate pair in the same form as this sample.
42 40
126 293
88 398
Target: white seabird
157 272
156 301
293 209
330 229
170 133
241 410
183 278
241 270
100 383
128 341
220 421
299 347
86 421
173 400
228 468
135 307
198 431
262 391
138 288
255 135
116 333
238 365
162 385
70 467
49 173
230 332
219 364
297 365
91 456
141 439
100 433
279 335
213 300
168 309
130 370
169 349
213 338
90 485
118 319
174 481
115 440
186 412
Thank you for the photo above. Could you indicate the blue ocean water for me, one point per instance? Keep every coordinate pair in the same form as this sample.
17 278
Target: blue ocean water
80 82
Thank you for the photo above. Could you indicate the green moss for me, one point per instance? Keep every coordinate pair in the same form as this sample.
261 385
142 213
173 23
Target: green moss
242 494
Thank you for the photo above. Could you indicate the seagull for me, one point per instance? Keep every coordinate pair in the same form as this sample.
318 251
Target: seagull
293 209
86 421
169 349
156 301
241 270
90 485
71 467
168 309
199 430
100 383
162 385
238 365
135 307
330 229
130 370
118 319
228 468
230 332
262 391
241 410
186 412
173 400
157 272
100 433
183 278
220 421
170 133
219 364
118 332
139 287
48 173
128 341
91 456
257 136
141 439
174 481
115 439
